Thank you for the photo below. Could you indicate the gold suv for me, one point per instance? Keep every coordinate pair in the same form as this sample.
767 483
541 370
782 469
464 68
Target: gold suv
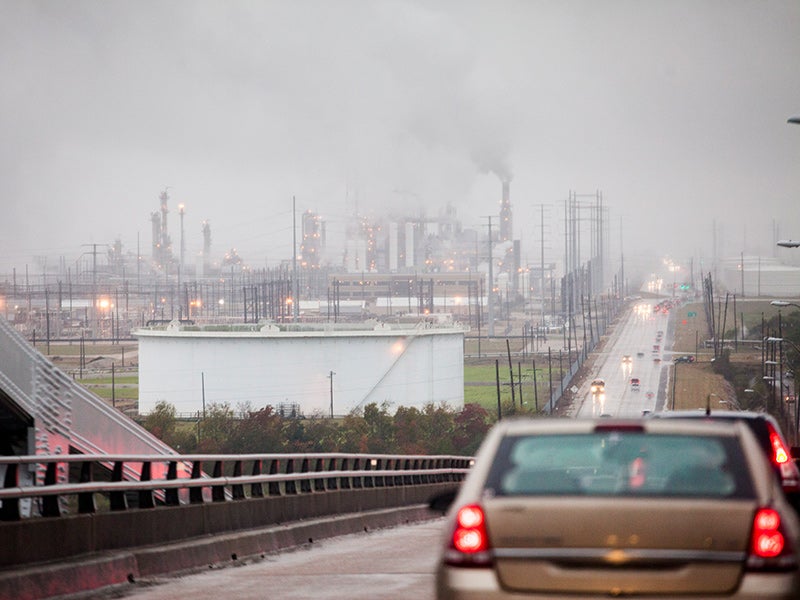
647 508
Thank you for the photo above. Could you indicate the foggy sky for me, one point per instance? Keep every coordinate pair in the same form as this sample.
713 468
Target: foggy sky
675 110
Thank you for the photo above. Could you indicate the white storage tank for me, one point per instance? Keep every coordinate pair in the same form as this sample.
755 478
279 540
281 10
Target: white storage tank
255 366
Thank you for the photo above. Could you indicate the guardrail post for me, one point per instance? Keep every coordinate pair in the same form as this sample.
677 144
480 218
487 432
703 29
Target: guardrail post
196 493
290 486
274 486
10 509
305 484
146 496
464 464
357 478
86 502
237 489
344 482
171 497
256 491
332 483
319 484
398 465
369 482
218 491
117 500
50 506
407 479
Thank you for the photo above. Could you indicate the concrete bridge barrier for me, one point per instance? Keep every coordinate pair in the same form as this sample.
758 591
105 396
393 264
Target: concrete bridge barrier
85 545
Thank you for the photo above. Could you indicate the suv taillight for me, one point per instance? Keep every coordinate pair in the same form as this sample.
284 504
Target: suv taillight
469 543
770 549
780 454
782 459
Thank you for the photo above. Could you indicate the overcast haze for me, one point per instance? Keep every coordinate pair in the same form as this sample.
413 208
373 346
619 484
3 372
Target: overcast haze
675 111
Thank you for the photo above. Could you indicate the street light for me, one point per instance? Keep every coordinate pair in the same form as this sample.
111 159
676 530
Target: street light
794 346
790 243
780 303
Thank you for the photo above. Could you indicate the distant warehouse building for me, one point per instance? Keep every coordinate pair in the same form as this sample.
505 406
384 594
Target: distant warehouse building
317 370
759 277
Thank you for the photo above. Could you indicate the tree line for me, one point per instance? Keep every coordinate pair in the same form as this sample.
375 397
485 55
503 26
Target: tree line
432 429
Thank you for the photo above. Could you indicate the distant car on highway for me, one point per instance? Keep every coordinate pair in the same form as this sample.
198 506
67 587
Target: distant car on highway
686 358
598 386
598 508
627 360
634 384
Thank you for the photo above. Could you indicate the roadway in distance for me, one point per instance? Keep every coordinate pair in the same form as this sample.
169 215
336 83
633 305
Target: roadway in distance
635 336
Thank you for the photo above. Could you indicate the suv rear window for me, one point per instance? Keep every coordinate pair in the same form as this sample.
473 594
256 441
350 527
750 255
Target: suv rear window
619 464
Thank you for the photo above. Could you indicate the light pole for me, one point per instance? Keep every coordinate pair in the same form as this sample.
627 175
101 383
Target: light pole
795 347
181 212
771 364
795 120
330 376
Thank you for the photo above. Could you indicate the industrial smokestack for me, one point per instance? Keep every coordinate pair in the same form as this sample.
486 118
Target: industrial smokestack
505 212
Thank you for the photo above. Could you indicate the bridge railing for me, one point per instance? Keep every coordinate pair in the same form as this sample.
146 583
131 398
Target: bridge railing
202 478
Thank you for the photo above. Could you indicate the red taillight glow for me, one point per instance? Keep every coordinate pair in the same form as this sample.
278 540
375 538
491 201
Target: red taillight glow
469 545
779 453
470 533
468 540
768 541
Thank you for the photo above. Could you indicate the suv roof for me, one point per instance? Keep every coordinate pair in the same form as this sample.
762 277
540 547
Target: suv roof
768 434
758 422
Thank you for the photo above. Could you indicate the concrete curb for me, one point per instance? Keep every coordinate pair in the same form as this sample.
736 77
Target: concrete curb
94 572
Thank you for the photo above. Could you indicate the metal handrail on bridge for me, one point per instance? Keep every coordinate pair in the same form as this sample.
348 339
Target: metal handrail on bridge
284 474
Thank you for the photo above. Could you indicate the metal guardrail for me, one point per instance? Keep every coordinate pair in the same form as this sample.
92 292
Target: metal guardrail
186 481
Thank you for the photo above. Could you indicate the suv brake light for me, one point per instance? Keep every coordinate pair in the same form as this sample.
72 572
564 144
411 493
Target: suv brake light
626 427
780 454
770 549
782 459
469 544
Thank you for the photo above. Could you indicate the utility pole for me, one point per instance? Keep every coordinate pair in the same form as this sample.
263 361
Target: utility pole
541 265
181 212
490 291
622 292
203 391
511 375
330 376
295 284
